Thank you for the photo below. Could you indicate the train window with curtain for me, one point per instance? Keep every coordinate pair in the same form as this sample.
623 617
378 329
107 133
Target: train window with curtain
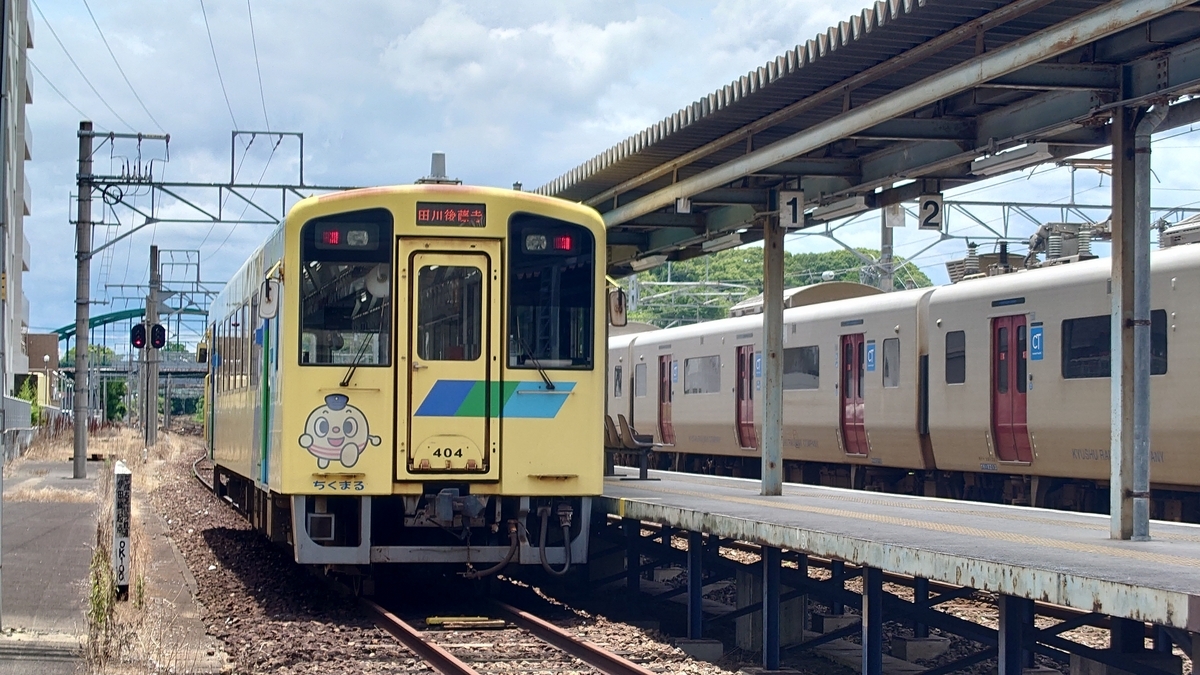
891 363
802 367
617 383
702 375
551 294
956 357
449 313
639 380
1087 346
345 284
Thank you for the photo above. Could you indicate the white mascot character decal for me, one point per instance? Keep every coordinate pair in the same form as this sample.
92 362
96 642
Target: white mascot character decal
337 431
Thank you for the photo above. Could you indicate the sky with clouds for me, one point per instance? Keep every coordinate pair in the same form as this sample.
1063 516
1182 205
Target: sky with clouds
520 91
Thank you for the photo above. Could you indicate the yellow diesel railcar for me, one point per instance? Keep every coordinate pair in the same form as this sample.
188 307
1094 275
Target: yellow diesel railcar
415 374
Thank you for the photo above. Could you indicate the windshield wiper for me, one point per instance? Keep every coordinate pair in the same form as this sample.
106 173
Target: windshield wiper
529 355
362 348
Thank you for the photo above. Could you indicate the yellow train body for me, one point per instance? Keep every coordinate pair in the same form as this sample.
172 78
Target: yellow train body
390 345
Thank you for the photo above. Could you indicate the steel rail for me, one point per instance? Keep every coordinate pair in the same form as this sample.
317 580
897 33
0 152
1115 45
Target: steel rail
441 660
591 654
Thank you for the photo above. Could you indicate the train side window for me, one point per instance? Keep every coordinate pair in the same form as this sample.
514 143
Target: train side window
639 380
255 344
891 363
702 375
617 383
802 367
1022 362
449 313
1158 342
345 283
1087 346
956 357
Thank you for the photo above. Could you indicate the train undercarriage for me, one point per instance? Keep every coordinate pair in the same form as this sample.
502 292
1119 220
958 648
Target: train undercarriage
446 525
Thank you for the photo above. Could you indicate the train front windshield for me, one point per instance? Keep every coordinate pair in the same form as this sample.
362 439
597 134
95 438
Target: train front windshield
345 289
551 296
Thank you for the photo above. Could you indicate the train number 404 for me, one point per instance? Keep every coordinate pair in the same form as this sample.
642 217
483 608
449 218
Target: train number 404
447 452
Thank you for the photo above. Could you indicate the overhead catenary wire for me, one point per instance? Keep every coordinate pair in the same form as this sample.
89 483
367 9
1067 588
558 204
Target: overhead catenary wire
120 69
45 79
252 193
217 63
258 68
77 68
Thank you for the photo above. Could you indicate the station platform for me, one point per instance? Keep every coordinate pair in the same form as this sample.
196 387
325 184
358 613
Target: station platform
1048 556
49 530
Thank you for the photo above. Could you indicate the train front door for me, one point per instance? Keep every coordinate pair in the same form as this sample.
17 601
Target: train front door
666 430
1010 355
448 378
747 437
853 421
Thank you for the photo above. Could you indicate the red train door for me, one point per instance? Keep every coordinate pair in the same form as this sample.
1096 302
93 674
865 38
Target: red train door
1010 354
854 428
747 438
666 431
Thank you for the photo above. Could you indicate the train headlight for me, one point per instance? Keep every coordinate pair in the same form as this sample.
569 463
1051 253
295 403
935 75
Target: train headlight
535 243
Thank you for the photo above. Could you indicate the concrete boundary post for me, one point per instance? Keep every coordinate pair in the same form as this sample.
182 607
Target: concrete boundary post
121 554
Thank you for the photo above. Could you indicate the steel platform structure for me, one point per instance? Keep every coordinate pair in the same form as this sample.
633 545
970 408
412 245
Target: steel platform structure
1024 555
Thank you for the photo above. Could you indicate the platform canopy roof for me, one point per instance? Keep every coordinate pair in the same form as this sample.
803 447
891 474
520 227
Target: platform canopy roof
907 98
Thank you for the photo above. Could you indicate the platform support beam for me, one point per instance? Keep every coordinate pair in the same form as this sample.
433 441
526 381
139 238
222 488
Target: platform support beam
872 621
1162 640
771 561
1016 622
772 356
837 569
920 597
695 580
633 557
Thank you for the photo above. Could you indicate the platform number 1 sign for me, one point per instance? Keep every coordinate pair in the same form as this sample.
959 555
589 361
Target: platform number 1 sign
931 212
791 208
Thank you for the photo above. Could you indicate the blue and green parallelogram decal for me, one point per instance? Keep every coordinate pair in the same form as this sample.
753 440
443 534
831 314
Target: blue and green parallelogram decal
465 398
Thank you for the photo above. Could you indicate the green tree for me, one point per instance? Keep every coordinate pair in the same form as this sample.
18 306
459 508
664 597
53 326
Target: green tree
28 392
98 355
115 404
743 267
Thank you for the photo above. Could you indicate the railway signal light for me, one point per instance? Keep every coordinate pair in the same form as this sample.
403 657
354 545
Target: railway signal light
137 336
158 336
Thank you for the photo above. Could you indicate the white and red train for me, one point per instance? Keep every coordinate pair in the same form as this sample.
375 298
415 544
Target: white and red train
994 389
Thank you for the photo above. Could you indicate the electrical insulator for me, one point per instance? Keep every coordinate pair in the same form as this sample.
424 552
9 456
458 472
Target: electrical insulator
158 336
137 336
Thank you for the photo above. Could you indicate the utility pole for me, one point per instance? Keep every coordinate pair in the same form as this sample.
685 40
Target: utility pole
83 282
151 404
885 247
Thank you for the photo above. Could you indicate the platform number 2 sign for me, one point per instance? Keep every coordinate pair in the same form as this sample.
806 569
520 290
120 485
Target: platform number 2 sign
931 212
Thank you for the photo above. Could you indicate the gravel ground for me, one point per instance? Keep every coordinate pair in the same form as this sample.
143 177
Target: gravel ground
272 616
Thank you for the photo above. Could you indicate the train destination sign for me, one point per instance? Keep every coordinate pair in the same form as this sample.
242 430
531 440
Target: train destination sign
451 215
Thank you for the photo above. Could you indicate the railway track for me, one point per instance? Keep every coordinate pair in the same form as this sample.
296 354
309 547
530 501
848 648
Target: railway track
526 644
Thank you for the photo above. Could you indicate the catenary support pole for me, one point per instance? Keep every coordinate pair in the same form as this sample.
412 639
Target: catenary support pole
152 355
695 627
771 562
772 356
1124 235
83 283
885 252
